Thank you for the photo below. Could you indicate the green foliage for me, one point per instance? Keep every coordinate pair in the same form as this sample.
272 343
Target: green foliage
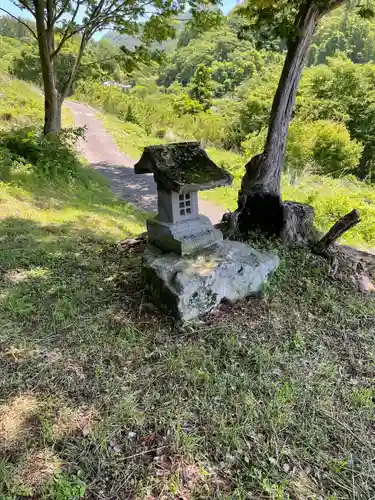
324 147
230 60
9 49
345 92
184 104
65 487
346 32
200 87
101 61
333 150
47 156
11 28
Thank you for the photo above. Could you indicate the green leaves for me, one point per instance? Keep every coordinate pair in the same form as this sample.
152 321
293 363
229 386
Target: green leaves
201 86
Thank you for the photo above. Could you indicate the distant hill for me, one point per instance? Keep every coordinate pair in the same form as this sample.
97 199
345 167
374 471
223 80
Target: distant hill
128 41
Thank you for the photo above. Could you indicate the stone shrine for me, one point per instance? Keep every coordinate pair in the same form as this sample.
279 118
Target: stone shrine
187 267
180 171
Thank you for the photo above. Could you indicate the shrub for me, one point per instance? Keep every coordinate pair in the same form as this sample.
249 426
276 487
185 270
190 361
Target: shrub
323 146
334 152
184 104
8 163
47 156
254 143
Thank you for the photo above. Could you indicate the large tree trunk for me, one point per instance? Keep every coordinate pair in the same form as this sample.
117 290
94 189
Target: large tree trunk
259 202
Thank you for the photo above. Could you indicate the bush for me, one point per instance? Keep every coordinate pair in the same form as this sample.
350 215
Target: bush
184 104
334 152
48 156
323 147
254 143
8 163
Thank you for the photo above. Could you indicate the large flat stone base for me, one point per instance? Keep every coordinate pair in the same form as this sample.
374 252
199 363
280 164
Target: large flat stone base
184 237
188 286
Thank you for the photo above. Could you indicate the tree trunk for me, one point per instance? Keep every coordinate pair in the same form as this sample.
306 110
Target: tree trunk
52 111
67 87
52 101
259 202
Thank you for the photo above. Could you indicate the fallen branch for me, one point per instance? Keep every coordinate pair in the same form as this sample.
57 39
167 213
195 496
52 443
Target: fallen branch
342 256
337 230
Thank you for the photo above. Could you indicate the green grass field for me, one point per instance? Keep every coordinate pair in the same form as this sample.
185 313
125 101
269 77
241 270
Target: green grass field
102 397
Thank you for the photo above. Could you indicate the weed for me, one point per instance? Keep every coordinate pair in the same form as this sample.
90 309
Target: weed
65 488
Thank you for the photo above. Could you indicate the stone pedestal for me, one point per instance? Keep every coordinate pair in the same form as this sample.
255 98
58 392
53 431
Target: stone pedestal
188 286
183 237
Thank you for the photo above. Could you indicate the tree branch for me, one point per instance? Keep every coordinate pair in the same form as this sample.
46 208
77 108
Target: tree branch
62 11
25 6
338 229
66 36
21 22
68 84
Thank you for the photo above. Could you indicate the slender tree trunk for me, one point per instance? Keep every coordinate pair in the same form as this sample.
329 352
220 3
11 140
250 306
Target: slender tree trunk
52 101
66 90
259 201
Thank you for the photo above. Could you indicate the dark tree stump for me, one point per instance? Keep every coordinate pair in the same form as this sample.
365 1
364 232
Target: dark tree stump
261 212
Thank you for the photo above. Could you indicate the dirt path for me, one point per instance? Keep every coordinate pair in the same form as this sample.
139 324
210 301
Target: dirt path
104 155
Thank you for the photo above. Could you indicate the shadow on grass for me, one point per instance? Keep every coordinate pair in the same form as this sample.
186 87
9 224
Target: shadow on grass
88 191
67 338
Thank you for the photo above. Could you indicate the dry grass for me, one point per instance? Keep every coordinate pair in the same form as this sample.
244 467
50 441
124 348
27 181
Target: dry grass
16 420
39 468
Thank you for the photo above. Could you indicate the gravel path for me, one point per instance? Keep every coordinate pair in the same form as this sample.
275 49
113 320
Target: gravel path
104 155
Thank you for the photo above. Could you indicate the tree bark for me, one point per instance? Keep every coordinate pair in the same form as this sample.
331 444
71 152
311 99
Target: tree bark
259 201
52 100
65 92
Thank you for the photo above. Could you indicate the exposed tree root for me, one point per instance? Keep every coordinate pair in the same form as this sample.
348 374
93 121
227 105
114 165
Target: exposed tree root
298 230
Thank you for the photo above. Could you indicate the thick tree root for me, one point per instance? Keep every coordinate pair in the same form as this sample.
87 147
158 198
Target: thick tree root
297 230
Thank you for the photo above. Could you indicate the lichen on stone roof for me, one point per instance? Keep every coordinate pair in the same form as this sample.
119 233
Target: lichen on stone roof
182 167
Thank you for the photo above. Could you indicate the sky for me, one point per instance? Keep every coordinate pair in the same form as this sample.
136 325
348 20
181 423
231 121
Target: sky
10 7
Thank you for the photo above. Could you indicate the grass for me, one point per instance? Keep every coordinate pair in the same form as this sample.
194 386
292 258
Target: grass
102 397
21 105
101 394
129 137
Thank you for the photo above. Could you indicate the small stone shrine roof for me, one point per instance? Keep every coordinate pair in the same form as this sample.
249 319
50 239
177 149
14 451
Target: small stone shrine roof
182 167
